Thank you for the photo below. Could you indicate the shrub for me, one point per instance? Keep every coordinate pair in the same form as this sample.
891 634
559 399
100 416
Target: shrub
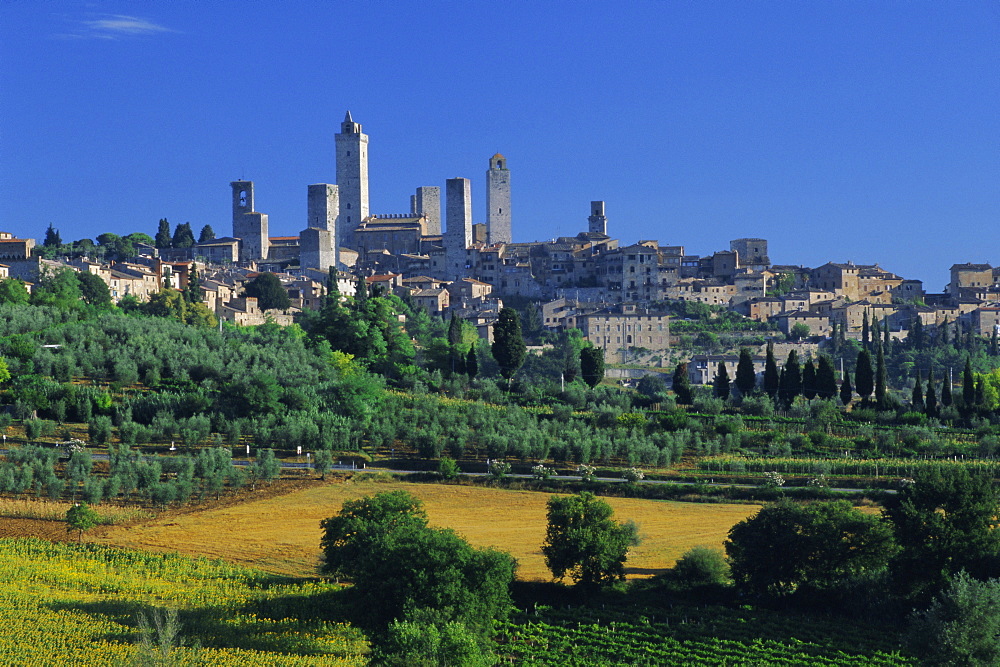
587 473
448 468
961 626
701 566
632 475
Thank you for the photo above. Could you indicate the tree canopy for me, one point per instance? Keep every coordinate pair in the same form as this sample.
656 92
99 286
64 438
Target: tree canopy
508 345
269 292
585 542
788 545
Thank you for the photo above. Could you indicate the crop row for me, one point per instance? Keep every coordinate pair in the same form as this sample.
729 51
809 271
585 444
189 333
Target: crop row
840 466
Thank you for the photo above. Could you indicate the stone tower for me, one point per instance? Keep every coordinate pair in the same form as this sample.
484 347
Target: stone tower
427 202
498 201
352 178
598 221
318 242
458 216
248 225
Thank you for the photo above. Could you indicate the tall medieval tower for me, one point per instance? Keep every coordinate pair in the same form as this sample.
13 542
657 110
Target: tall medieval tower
498 201
248 225
352 179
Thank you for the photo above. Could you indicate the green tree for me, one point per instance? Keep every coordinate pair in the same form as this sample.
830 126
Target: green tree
790 383
207 234
968 385
720 383
163 238
418 643
183 236
269 292
864 376
13 291
397 563
881 378
846 390
80 517
746 376
961 626
946 397
584 541
4 371
193 290
52 238
58 288
917 395
771 377
799 331
826 378
592 365
472 363
681 384
944 522
787 545
94 290
322 462
930 400
508 348
809 380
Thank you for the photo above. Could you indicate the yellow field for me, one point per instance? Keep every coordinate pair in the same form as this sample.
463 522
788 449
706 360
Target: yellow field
281 534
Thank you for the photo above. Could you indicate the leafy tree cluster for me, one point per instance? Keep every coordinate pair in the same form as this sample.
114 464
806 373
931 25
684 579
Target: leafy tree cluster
404 570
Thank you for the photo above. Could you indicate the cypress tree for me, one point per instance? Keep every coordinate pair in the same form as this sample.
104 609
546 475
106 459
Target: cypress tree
508 344
968 384
163 238
917 397
886 338
980 392
771 379
826 378
207 234
592 365
864 376
454 341
865 338
790 383
945 337
721 382
930 400
994 343
946 395
880 379
472 363
193 290
746 377
682 384
809 380
846 391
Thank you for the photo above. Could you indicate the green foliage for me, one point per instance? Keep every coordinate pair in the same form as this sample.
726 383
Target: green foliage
746 377
585 542
448 468
59 288
771 377
720 383
269 292
13 291
701 566
94 290
682 384
961 626
397 563
799 331
427 644
864 375
508 345
52 238
163 238
785 546
944 523
207 234
183 236
80 517
592 365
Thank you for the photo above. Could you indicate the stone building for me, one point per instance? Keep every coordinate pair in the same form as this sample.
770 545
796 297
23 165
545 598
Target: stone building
498 201
352 179
249 226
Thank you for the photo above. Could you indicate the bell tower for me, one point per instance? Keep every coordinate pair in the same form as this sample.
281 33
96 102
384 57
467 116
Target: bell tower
352 179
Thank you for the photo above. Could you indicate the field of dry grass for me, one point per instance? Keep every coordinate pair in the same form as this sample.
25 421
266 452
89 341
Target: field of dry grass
281 533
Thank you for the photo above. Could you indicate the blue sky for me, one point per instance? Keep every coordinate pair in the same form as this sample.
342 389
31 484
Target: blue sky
864 131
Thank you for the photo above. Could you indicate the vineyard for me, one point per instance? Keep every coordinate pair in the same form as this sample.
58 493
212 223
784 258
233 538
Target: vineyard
683 635
81 604
842 466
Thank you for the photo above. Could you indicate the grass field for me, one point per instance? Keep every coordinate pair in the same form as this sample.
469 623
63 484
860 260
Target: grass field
281 534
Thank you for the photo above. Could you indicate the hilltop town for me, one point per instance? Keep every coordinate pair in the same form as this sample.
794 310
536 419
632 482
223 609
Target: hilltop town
620 297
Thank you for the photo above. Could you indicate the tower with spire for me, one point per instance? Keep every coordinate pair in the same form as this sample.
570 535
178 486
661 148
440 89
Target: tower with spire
352 178
498 201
